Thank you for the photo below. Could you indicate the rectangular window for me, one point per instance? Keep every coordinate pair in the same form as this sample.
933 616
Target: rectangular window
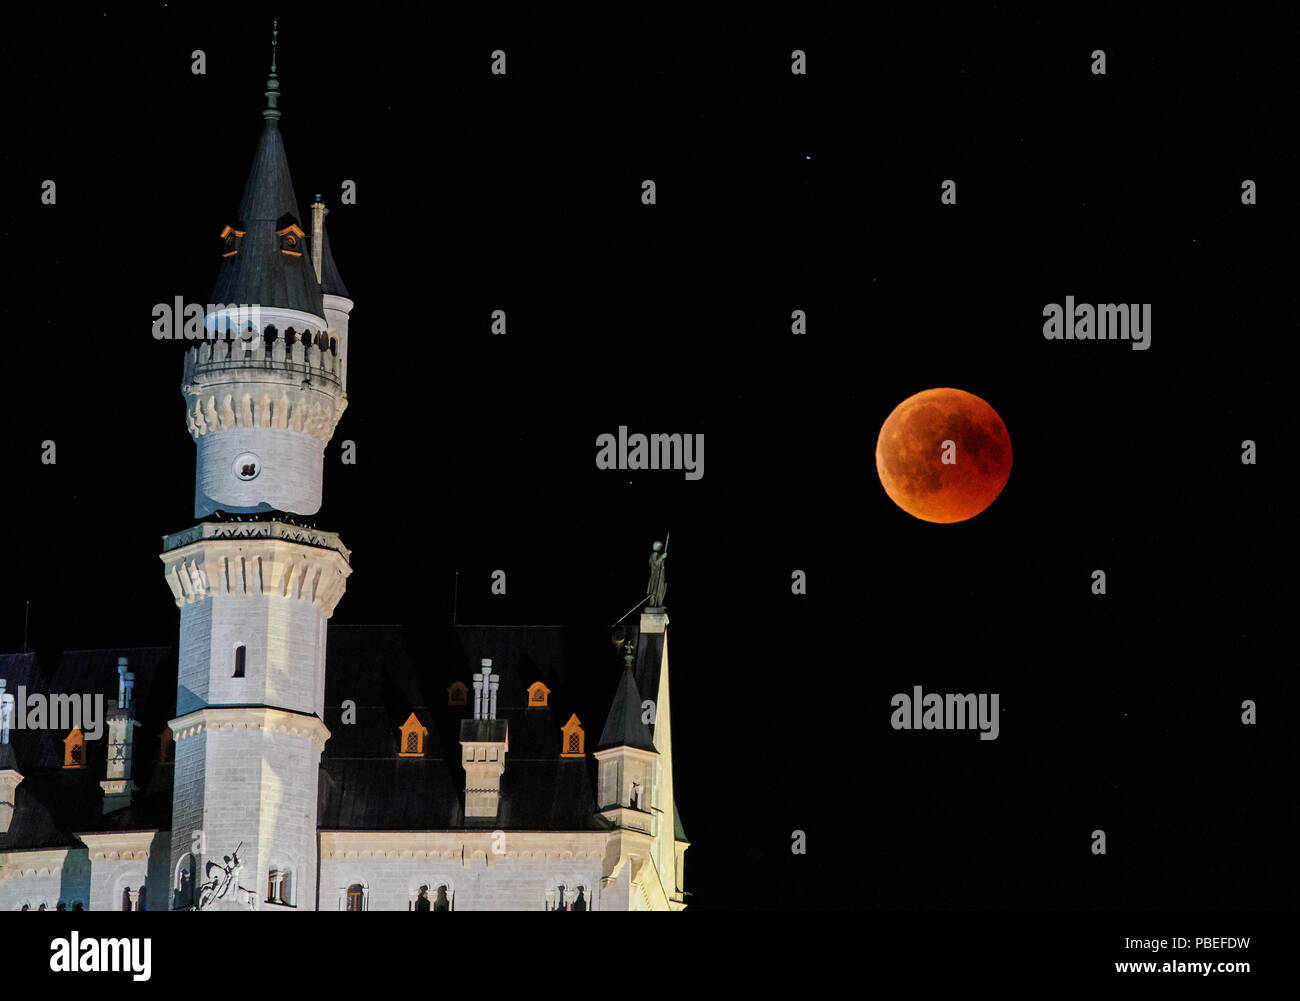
239 661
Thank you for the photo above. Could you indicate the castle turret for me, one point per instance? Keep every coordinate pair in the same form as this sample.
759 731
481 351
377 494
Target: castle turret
627 782
265 391
255 593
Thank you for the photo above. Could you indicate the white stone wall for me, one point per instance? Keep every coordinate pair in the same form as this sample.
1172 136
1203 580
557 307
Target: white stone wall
284 655
292 466
508 884
46 877
252 786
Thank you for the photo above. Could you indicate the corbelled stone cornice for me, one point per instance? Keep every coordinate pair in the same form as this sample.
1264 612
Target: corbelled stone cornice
251 718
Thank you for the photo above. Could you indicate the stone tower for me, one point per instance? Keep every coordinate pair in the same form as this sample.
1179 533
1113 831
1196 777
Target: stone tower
263 394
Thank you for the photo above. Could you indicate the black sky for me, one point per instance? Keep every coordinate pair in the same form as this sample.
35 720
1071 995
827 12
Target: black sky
776 192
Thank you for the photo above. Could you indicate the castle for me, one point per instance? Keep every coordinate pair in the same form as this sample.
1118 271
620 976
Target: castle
247 769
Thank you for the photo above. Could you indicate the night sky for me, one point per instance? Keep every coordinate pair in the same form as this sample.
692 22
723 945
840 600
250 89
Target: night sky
775 192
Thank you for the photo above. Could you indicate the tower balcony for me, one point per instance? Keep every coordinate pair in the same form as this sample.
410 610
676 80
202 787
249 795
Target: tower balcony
268 353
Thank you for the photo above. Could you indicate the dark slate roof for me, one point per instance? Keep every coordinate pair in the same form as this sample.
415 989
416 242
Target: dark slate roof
623 725
32 825
388 672
392 671
679 832
23 670
330 282
259 274
54 801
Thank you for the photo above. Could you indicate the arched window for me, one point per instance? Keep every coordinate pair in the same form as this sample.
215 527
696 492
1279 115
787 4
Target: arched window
126 899
183 893
572 738
239 660
279 885
568 895
411 737
356 897
433 895
74 750
457 693
634 797
537 694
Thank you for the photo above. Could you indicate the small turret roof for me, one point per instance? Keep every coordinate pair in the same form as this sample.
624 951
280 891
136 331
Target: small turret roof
623 726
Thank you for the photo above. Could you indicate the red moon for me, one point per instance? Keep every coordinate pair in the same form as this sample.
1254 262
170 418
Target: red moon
913 446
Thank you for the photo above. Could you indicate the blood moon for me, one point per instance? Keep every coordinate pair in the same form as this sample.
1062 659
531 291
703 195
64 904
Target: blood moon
934 480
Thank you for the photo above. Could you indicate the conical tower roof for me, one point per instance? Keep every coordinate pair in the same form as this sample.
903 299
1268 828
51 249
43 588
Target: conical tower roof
266 269
623 726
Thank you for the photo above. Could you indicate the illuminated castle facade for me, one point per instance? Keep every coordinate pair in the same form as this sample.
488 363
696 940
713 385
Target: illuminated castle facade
247 769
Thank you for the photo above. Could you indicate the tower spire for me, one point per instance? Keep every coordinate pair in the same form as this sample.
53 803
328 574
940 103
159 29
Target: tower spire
272 112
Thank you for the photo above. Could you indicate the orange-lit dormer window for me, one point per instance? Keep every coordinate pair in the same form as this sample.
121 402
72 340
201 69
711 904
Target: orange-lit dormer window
572 738
291 238
537 694
230 238
411 738
74 750
457 693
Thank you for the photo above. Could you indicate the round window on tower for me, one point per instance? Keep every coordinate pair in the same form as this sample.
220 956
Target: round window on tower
247 466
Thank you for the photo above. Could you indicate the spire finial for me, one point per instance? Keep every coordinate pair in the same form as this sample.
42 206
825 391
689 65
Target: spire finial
272 112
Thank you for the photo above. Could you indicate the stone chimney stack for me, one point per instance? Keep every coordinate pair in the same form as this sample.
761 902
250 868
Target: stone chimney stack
6 713
10 777
484 741
117 784
125 685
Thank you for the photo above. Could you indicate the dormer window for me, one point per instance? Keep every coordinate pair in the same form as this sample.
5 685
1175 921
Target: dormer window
411 738
291 239
572 738
537 694
457 693
74 750
230 239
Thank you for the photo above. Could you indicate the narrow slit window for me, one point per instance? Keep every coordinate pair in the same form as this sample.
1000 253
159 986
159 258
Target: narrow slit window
239 661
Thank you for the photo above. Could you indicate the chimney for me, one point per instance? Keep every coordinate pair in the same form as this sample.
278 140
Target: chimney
318 211
125 684
9 774
478 688
117 783
10 778
484 741
6 713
